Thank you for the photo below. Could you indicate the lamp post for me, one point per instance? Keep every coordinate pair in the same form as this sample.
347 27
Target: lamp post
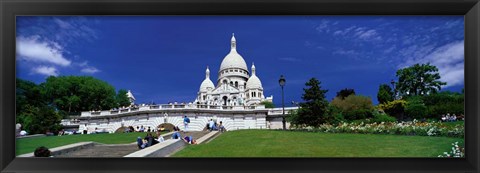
394 90
281 81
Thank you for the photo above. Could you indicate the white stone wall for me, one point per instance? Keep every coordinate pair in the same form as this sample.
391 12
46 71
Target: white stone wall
276 123
197 122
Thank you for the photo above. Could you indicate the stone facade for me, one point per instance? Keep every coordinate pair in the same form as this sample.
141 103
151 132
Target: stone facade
154 116
235 86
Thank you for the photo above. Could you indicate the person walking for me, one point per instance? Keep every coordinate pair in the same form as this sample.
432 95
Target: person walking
186 121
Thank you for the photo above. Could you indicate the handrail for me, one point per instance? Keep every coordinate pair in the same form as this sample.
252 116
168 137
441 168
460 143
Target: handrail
179 106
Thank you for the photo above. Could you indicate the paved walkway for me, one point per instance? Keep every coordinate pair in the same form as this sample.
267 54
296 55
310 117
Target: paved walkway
119 150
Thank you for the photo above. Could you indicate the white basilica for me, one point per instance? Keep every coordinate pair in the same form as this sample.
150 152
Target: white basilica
235 86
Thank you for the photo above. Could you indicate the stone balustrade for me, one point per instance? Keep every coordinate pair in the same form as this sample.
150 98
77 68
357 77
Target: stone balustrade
167 107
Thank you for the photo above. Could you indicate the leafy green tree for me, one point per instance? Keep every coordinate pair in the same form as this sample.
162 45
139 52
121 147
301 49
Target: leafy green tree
342 94
74 94
354 107
267 104
385 94
419 79
38 120
313 112
28 93
122 98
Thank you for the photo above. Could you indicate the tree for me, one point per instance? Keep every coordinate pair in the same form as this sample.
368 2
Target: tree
354 107
33 111
74 94
267 104
122 98
419 79
38 120
28 93
385 94
345 93
313 112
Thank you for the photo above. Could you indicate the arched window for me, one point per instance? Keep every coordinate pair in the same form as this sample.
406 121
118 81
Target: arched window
236 84
225 81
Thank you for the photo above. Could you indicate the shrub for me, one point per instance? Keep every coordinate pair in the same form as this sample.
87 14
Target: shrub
267 104
415 108
443 103
334 115
379 117
394 108
354 107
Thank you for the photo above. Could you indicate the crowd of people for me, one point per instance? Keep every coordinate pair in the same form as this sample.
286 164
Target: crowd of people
214 126
130 129
452 118
149 140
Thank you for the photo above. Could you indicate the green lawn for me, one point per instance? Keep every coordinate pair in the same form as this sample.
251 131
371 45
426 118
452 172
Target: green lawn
455 123
271 143
27 145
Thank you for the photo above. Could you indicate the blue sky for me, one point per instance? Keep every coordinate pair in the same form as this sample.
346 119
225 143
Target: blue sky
163 58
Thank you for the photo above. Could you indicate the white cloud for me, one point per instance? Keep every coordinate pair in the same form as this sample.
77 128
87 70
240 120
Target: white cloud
290 59
48 71
345 52
32 49
449 59
362 33
90 70
324 26
87 68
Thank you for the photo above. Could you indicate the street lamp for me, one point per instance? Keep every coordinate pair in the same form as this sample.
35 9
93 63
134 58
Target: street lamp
281 81
394 90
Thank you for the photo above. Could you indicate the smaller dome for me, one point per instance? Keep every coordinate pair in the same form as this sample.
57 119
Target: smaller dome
254 82
207 83
130 95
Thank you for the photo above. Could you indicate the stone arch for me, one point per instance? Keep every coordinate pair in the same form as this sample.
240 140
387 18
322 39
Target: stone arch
166 126
121 129
225 100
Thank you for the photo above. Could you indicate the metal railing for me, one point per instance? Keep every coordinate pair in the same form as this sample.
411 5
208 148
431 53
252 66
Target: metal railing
166 107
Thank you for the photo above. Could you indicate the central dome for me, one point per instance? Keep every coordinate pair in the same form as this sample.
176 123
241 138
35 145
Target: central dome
233 59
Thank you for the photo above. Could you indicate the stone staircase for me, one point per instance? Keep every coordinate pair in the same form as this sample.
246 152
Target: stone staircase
103 150
119 150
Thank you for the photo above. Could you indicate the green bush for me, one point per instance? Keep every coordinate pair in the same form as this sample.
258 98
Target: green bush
382 117
354 107
358 114
444 102
415 108
394 108
334 115
416 111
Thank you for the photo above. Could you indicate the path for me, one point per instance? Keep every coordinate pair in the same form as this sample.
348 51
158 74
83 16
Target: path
119 150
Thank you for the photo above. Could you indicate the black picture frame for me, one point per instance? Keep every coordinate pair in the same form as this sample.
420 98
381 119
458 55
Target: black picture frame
11 8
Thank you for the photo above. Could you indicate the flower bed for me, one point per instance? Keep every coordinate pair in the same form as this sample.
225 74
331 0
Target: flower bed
403 128
456 151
